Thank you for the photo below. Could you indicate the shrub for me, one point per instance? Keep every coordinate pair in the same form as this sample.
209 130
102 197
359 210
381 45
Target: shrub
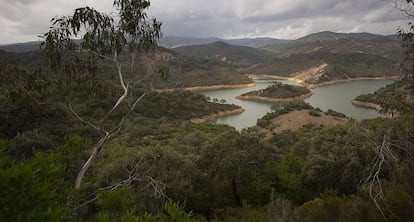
314 113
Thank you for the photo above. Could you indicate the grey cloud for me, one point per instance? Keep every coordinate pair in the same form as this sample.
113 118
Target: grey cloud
316 9
22 20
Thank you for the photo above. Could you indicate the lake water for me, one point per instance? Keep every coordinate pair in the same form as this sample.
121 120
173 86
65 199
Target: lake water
337 97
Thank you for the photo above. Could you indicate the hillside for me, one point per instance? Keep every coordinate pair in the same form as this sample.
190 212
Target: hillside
322 67
298 164
365 43
238 56
187 71
396 96
183 71
326 56
21 47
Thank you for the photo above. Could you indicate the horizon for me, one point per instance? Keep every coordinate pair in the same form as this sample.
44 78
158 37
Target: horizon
211 37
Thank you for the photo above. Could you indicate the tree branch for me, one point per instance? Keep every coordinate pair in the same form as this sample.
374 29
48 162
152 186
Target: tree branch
373 181
70 108
133 175
124 94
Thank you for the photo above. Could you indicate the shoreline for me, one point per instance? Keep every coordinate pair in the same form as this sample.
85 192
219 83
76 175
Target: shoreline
214 116
276 77
366 105
207 88
275 100
313 86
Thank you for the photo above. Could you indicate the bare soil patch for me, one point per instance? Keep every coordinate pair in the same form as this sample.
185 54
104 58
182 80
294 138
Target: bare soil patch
297 119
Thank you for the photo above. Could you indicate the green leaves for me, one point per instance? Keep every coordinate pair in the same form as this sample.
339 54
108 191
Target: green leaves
31 190
102 34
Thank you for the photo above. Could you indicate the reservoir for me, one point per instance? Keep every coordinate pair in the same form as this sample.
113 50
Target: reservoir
337 97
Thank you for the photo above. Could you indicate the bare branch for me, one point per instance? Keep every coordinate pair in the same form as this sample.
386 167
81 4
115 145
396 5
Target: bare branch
373 182
134 175
405 7
121 123
70 108
30 95
108 58
124 94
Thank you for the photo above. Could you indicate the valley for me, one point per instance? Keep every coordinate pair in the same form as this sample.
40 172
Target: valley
336 97
314 60
227 130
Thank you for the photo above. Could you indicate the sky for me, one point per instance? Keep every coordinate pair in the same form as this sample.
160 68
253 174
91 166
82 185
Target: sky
25 20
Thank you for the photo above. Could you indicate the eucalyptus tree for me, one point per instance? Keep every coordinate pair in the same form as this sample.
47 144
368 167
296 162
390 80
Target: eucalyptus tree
393 146
116 39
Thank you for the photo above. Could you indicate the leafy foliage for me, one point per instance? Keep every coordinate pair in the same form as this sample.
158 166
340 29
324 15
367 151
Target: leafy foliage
394 98
179 105
237 56
279 90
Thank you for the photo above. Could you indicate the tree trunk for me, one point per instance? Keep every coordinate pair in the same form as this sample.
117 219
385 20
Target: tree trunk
236 195
88 163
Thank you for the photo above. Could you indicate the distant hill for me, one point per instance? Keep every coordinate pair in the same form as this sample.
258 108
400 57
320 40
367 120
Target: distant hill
21 47
328 56
314 59
175 41
339 43
27 46
329 36
238 56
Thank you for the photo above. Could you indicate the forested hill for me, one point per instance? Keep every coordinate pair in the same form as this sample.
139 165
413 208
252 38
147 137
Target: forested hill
21 47
314 59
183 71
239 56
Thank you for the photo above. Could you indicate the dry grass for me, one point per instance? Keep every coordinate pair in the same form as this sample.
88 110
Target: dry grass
297 119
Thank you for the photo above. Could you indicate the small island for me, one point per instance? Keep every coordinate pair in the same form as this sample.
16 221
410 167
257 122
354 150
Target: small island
278 92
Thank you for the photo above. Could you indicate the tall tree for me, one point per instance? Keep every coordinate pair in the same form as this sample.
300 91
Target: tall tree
114 38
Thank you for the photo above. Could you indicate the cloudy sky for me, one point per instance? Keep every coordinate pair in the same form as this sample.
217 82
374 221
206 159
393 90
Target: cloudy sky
24 20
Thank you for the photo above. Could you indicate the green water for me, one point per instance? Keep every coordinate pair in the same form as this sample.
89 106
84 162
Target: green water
337 97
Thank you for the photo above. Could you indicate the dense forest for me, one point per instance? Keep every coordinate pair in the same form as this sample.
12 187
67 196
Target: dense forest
77 144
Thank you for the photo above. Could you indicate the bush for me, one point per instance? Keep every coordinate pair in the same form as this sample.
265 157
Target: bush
335 113
314 113
32 190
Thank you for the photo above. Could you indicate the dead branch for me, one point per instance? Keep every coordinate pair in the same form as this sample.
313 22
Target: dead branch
134 175
102 141
405 7
70 108
372 182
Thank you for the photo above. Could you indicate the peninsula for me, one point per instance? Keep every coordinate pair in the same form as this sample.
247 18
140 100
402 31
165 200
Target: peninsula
278 92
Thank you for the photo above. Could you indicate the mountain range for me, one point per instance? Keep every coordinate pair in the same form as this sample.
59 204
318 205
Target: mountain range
175 41
314 59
